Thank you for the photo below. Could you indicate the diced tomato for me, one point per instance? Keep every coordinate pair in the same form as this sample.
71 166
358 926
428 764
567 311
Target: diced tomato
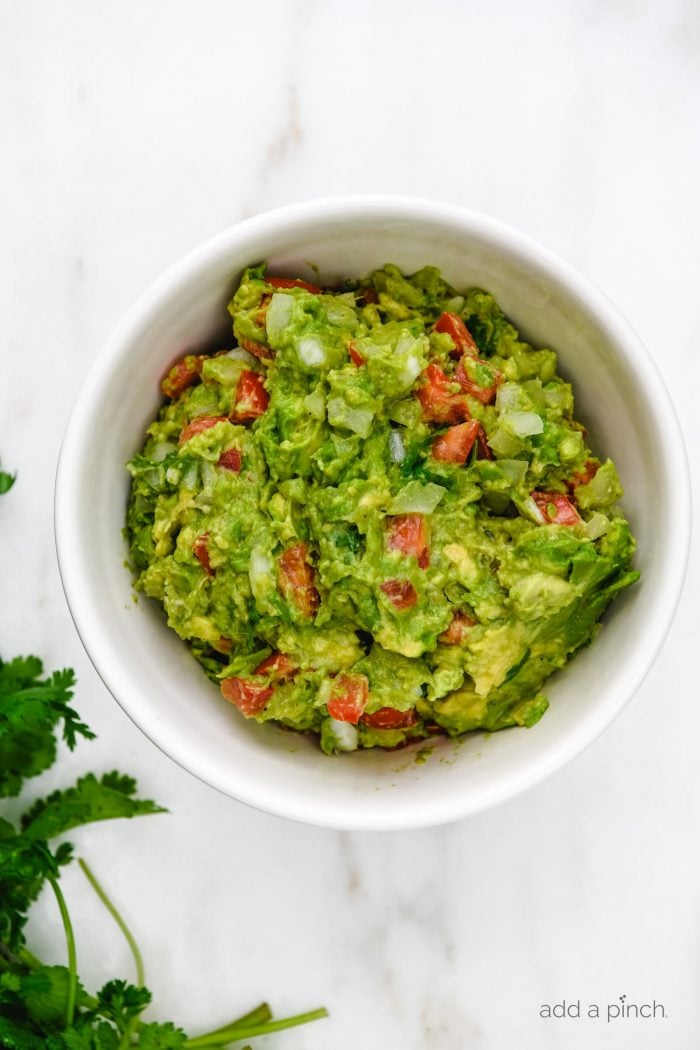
185 373
296 579
348 697
390 718
454 326
408 533
589 471
256 349
456 443
458 629
478 378
355 356
293 282
556 509
368 296
441 397
277 665
400 593
231 459
200 549
249 697
252 398
198 425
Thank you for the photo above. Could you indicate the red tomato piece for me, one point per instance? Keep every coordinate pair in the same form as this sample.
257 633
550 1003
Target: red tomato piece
231 459
355 356
441 397
200 549
185 373
293 282
224 645
277 665
589 471
198 425
408 533
556 509
458 629
454 326
348 697
256 349
296 580
368 296
390 718
456 443
478 378
252 398
400 593
249 697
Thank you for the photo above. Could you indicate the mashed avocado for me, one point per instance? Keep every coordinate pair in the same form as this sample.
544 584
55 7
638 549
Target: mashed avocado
376 517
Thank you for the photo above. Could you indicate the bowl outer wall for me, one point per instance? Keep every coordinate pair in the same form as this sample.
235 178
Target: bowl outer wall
619 395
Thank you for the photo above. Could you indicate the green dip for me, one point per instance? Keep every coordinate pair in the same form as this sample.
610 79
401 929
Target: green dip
376 518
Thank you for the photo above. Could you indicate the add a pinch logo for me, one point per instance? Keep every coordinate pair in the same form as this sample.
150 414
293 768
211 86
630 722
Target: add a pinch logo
622 1009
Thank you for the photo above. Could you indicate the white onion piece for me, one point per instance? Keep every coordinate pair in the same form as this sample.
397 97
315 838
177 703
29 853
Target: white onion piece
597 526
239 354
523 424
345 735
396 446
415 498
161 450
279 314
260 572
529 508
315 404
514 469
310 350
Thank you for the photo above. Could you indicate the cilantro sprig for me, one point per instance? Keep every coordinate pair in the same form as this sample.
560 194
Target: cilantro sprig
47 1007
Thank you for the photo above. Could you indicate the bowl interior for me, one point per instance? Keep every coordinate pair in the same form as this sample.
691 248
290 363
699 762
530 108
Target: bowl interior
150 671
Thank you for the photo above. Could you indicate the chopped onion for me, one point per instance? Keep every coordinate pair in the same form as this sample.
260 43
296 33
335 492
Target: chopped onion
172 475
279 314
396 446
260 572
310 350
527 506
239 354
597 526
359 420
161 450
509 397
415 498
315 404
523 424
191 476
514 469
345 735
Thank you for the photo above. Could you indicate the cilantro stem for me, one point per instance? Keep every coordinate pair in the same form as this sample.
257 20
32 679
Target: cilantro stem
259 1015
70 944
237 1031
111 908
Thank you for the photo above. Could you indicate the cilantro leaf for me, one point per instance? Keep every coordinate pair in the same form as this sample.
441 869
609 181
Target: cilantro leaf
161 1037
89 800
24 867
30 710
122 1002
14 1036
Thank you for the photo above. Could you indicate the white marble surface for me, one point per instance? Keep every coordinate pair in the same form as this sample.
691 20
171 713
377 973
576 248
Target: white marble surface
133 131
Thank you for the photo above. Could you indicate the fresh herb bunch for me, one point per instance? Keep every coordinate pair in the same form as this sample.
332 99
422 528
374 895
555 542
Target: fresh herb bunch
46 1007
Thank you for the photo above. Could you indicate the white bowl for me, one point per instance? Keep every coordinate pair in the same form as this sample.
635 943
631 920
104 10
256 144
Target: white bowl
619 395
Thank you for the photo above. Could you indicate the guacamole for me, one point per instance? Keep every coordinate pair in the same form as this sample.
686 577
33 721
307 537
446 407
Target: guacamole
376 518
